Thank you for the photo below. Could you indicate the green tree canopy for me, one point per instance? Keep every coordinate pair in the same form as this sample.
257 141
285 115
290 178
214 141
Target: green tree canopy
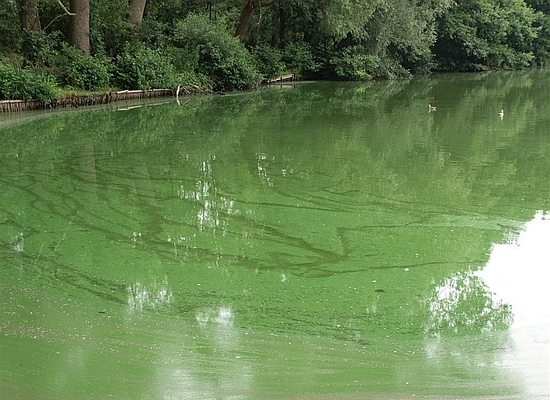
234 44
486 34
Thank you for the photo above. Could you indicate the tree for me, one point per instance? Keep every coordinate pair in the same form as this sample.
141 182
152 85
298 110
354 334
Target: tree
486 34
401 33
246 18
8 19
337 18
219 54
29 21
542 23
79 25
137 8
28 15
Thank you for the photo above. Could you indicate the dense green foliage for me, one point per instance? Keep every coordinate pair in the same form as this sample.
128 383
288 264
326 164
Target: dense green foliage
481 34
542 24
23 84
235 44
8 35
219 55
78 71
139 67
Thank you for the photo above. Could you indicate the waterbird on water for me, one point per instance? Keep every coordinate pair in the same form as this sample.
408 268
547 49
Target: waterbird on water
501 114
431 108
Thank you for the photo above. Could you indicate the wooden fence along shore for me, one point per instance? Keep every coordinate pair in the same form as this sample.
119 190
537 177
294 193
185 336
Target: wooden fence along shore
106 98
78 101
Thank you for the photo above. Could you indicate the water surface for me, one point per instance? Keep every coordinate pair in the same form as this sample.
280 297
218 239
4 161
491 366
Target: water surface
318 241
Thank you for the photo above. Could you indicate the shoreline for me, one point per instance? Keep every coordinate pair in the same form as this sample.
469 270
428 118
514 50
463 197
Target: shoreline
11 106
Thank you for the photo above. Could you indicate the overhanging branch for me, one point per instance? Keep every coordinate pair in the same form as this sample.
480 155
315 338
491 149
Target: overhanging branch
65 8
67 12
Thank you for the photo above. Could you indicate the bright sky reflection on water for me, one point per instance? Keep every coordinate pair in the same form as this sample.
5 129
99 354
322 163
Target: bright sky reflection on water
517 273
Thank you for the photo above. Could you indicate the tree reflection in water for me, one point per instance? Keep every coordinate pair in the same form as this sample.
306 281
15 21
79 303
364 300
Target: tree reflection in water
464 304
498 315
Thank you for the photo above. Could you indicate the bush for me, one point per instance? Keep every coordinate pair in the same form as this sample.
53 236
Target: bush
269 60
186 64
300 59
40 48
183 59
153 34
192 79
221 56
23 84
139 67
352 63
77 71
7 79
70 66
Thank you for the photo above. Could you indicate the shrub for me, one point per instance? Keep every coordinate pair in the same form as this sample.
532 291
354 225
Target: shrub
154 34
43 86
183 59
23 84
192 79
269 60
77 71
40 48
300 59
221 56
139 67
352 63
186 64
7 79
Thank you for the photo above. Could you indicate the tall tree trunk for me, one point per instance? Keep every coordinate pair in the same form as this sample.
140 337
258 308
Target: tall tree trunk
137 7
246 18
28 15
79 25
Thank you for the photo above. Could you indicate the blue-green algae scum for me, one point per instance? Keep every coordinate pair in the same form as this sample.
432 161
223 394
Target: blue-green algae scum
310 241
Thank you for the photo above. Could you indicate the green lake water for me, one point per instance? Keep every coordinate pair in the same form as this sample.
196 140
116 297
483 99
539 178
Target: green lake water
311 241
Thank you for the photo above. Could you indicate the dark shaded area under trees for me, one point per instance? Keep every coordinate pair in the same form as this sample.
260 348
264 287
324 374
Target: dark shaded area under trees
85 45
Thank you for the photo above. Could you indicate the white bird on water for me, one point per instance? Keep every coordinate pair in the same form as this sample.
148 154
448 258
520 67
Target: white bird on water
501 114
431 108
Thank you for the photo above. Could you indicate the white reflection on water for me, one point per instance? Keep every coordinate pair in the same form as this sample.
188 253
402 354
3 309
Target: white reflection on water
18 243
504 332
222 316
216 323
448 313
212 209
208 365
518 274
141 296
